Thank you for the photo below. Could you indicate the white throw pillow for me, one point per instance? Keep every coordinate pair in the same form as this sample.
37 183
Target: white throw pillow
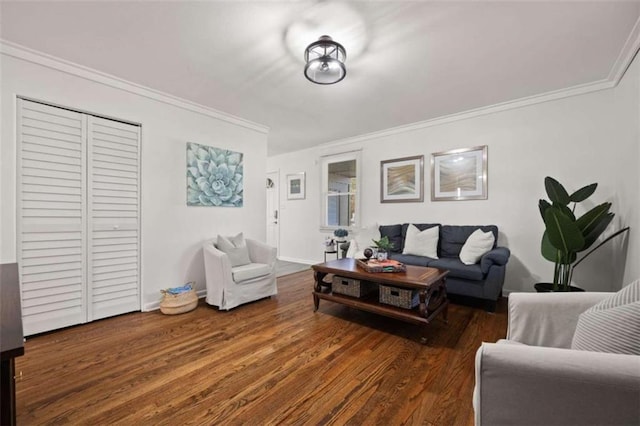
362 239
236 248
613 325
476 246
422 243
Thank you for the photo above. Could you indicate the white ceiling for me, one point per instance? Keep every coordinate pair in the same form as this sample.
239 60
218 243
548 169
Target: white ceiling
419 60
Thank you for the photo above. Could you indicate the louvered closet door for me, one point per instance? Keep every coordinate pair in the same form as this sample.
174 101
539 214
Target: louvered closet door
51 226
114 219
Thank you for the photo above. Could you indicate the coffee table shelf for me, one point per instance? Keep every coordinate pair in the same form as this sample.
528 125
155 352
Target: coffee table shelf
430 283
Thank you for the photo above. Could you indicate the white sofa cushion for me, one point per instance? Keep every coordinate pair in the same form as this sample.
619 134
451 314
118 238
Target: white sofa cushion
613 325
236 248
422 243
249 271
362 239
476 246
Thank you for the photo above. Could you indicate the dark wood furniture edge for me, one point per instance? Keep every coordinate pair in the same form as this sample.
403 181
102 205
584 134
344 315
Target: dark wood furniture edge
421 315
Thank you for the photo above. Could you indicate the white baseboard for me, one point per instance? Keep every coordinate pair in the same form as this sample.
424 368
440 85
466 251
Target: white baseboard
296 260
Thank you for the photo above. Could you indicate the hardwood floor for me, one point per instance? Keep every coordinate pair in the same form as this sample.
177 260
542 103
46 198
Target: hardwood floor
269 362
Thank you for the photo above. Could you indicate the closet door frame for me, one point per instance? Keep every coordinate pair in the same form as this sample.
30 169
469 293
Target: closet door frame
86 214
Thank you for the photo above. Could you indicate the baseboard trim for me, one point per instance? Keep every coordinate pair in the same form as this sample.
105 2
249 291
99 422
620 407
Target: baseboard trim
296 260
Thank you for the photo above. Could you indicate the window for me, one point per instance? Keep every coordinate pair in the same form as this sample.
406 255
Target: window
340 185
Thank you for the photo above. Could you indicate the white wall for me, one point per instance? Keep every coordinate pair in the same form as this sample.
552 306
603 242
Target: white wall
172 233
578 140
626 127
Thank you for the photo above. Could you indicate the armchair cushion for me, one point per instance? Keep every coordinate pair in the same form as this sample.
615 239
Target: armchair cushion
236 248
613 325
250 271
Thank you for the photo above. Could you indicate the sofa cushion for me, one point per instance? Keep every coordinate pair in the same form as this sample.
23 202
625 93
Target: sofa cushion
453 237
362 239
410 259
613 325
236 248
421 243
458 269
394 233
476 246
420 226
250 271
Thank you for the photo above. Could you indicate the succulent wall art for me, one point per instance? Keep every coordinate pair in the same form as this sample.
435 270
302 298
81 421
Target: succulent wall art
214 176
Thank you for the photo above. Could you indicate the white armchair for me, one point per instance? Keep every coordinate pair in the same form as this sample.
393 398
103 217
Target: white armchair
534 378
228 287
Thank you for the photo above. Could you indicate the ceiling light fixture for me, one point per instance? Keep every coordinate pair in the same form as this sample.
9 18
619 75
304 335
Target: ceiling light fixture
325 61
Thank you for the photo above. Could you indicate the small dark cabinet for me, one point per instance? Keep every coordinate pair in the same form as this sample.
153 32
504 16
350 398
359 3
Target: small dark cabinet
11 340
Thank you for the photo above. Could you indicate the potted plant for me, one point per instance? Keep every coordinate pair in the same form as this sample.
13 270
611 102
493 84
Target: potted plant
567 235
340 233
384 246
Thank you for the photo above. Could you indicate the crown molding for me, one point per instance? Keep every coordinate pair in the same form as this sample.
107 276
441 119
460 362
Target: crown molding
620 66
11 49
478 112
626 55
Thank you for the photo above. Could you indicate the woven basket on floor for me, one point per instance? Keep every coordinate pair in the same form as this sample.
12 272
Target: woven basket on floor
173 304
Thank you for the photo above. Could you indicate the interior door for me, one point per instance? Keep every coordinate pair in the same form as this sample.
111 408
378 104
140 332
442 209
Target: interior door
273 210
52 216
78 216
114 218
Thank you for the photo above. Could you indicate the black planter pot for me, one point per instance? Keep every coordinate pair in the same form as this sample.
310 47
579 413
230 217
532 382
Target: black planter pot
548 288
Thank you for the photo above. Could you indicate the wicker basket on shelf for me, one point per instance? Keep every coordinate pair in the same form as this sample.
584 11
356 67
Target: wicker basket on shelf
180 303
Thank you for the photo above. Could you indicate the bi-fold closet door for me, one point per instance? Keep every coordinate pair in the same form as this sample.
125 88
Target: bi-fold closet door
78 216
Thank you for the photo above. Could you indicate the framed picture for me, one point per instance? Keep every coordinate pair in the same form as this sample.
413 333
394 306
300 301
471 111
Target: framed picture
460 174
295 186
203 163
402 180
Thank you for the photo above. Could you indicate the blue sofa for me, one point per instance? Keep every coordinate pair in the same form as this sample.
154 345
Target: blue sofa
483 280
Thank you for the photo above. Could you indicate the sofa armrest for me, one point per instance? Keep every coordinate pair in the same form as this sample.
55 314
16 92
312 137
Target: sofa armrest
526 385
547 319
260 252
497 256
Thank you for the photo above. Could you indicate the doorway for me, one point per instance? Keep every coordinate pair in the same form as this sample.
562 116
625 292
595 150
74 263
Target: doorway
273 210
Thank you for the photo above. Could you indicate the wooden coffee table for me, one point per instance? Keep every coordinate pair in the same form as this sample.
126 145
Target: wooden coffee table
430 283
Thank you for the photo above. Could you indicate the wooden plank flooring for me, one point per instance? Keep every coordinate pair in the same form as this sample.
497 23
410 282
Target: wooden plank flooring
274 361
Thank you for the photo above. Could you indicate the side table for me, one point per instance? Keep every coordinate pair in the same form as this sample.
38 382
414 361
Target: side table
335 249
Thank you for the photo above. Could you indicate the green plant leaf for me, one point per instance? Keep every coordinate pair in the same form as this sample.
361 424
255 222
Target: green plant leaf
383 243
543 205
583 193
566 211
590 220
597 230
555 191
548 251
563 232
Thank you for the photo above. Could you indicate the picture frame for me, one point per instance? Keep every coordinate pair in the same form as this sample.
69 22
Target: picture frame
402 180
202 160
459 174
296 186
